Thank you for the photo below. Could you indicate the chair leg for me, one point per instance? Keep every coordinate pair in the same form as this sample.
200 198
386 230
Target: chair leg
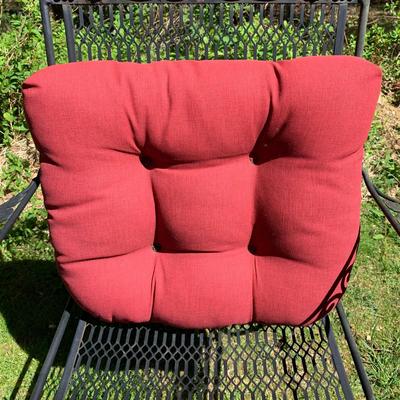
355 353
63 388
48 362
348 394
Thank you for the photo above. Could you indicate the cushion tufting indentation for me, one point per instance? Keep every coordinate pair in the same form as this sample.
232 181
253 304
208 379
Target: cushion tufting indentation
214 201
202 194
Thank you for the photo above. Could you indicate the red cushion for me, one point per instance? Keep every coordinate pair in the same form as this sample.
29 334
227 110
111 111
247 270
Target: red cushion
201 194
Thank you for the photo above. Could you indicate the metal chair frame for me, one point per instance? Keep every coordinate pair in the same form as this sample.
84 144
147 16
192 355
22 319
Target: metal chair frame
157 362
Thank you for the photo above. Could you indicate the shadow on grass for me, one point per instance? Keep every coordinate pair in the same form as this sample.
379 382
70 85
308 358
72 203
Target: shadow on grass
32 299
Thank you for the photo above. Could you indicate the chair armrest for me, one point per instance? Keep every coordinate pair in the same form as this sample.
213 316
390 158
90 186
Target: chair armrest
11 209
389 206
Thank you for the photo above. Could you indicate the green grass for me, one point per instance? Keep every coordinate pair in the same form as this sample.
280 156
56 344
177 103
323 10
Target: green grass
372 303
31 301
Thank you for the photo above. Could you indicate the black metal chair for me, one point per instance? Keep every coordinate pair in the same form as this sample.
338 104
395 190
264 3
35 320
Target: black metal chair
239 362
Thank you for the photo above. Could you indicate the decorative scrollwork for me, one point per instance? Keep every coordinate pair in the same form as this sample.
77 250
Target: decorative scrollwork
392 204
337 290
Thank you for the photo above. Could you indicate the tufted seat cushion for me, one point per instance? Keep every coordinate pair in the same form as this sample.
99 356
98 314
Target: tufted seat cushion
201 194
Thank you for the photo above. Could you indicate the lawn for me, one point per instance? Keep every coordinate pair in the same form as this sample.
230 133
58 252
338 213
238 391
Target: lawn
32 297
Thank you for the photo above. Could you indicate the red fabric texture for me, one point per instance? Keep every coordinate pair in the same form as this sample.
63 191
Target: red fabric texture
202 194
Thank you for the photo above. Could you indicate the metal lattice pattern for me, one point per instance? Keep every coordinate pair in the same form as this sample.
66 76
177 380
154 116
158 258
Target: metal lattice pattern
145 32
239 362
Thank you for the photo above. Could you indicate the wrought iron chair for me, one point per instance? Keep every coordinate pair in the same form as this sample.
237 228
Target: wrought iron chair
238 362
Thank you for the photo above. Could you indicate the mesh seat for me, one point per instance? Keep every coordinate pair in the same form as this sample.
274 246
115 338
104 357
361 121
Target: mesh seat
238 362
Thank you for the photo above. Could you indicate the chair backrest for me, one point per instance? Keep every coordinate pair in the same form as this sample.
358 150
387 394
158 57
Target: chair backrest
148 30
